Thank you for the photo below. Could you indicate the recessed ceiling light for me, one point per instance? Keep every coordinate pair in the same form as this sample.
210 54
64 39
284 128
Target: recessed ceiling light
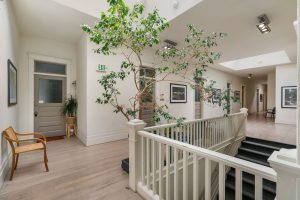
264 60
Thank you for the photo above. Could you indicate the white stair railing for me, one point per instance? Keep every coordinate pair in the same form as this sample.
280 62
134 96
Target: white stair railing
181 179
168 161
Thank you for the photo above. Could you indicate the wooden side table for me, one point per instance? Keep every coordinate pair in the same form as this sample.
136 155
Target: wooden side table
71 124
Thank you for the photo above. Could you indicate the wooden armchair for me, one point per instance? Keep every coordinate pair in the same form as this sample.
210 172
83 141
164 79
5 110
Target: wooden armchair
18 147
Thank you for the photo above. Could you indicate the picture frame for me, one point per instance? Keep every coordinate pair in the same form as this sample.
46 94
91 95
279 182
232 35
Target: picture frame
178 93
289 97
216 95
12 83
237 95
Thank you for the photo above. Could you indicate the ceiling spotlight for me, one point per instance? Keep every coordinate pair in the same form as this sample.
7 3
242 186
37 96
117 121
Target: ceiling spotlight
250 76
263 25
169 44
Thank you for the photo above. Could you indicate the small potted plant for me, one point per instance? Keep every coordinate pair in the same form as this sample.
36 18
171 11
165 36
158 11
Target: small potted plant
69 111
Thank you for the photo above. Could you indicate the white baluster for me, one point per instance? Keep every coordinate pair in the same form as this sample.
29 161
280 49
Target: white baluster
207 179
195 177
160 170
143 161
148 163
176 180
168 173
185 176
154 166
221 181
238 184
258 187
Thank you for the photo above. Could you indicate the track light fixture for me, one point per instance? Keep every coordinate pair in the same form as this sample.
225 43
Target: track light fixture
250 76
169 44
263 25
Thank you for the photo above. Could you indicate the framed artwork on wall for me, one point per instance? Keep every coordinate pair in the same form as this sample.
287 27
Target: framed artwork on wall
289 97
178 93
237 95
12 83
216 96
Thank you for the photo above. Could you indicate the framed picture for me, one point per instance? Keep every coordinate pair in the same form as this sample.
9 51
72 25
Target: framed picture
237 96
178 93
216 95
12 83
289 97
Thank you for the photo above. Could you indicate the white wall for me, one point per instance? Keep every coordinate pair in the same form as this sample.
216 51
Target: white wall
251 98
102 124
271 100
222 78
81 88
44 47
286 75
9 41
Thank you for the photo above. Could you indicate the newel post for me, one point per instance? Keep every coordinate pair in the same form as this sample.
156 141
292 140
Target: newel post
245 112
284 162
135 150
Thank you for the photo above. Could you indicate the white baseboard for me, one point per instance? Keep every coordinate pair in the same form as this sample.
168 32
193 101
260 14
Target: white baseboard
82 138
107 137
280 121
5 168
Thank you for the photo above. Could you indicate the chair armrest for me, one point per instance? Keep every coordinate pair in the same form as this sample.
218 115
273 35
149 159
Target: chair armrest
34 139
34 133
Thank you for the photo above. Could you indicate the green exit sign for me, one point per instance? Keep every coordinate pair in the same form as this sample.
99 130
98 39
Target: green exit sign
101 68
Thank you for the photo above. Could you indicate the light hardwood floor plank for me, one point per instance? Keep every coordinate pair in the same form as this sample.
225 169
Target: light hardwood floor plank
76 172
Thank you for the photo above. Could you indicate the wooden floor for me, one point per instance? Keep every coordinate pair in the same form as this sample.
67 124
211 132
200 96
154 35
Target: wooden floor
264 128
76 172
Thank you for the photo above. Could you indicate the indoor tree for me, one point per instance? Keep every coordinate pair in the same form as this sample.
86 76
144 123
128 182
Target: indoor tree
131 31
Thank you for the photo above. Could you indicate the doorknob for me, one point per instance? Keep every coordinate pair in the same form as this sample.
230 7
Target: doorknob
35 114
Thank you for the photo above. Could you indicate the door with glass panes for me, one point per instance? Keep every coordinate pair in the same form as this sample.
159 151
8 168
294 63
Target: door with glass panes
49 97
147 76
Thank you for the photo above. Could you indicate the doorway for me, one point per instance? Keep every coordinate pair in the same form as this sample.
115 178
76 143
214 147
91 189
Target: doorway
197 103
243 96
49 98
257 100
228 102
147 75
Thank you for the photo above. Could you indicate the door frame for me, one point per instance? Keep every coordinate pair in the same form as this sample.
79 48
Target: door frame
31 73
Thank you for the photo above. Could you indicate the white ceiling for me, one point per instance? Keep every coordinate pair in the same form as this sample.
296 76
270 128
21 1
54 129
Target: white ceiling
57 21
48 19
238 19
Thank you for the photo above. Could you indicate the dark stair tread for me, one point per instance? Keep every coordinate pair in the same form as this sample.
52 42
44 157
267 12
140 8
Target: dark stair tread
248 191
249 178
125 165
254 151
271 143
262 145
260 162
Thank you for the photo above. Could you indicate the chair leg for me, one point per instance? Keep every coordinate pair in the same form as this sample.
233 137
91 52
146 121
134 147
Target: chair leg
17 160
12 167
46 160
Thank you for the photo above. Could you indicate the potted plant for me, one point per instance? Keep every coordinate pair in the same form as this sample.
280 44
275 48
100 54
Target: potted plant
69 111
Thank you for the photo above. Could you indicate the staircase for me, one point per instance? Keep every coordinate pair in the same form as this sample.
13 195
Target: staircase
257 151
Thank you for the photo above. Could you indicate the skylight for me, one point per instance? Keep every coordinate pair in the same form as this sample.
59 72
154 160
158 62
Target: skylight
264 60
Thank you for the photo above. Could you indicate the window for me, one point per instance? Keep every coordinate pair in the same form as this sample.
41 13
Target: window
49 68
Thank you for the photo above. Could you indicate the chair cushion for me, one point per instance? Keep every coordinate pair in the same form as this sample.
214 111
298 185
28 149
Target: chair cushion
29 147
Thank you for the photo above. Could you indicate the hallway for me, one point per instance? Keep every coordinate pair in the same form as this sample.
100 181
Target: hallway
264 128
